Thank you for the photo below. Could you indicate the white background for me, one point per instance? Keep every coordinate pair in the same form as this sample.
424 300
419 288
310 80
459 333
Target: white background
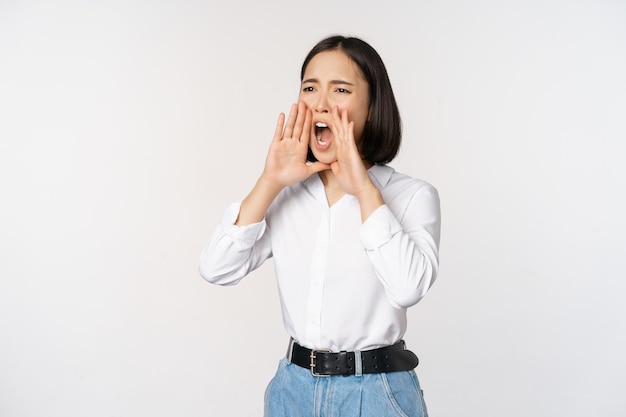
126 127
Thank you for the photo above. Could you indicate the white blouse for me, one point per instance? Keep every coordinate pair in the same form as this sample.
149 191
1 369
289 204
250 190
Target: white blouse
343 284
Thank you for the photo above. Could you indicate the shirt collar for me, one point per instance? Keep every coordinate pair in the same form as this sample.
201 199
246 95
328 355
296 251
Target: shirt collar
381 174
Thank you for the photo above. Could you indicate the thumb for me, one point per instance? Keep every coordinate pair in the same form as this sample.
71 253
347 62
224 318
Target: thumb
317 167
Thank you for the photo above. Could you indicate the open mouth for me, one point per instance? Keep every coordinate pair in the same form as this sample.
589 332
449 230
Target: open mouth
321 133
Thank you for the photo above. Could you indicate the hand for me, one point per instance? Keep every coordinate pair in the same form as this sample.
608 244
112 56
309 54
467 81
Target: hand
286 160
349 168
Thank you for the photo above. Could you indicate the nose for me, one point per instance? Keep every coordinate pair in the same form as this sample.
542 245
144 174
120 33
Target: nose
322 105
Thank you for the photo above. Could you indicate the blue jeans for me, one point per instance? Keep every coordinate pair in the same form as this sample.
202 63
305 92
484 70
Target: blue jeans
294 392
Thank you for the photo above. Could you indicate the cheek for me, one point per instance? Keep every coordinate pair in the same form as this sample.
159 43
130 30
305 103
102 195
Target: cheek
306 101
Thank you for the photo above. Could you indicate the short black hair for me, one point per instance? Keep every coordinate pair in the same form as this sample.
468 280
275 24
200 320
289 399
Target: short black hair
382 134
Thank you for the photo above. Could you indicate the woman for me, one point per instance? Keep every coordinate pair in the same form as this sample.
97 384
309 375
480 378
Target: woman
354 242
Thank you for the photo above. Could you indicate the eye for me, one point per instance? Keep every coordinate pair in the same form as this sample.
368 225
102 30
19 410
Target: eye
342 90
308 89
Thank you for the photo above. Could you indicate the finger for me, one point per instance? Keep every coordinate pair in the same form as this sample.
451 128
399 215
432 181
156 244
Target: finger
278 133
317 167
300 118
350 142
351 139
339 125
344 118
306 127
335 124
288 132
348 128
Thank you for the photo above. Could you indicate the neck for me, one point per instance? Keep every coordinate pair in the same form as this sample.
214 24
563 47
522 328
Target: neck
331 187
328 178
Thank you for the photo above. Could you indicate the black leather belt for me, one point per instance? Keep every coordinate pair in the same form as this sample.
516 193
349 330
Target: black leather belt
323 362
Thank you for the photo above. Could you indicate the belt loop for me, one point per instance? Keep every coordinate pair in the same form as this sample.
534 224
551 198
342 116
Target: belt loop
290 350
358 364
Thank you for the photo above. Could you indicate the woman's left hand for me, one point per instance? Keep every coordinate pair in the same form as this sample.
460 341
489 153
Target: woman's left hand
349 168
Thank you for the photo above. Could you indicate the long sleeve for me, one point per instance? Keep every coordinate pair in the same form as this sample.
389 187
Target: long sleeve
403 247
234 251
325 255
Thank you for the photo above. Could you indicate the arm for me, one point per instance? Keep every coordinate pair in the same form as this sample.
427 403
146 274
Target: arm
234 251
285 164
404 252
404 249
349 168
240 243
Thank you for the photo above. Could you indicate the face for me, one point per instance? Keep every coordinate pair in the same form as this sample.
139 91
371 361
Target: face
332 79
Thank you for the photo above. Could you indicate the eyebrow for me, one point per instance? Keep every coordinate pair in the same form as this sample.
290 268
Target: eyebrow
334 82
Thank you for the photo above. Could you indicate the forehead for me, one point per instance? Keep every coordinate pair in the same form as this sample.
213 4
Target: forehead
334 64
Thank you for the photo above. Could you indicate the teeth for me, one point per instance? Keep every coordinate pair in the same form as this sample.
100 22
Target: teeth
318 134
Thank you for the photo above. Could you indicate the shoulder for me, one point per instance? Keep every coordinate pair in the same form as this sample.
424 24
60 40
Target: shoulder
392 182
406 195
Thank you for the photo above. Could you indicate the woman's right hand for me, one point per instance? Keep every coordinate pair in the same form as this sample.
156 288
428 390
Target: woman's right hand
286 162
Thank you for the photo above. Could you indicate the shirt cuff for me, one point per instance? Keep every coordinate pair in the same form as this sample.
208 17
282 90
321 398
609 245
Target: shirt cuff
379 228
243 237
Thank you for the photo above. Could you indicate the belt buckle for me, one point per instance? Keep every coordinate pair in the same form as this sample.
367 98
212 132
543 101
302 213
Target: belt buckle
313 363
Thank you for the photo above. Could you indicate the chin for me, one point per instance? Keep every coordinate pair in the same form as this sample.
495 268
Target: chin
326 158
